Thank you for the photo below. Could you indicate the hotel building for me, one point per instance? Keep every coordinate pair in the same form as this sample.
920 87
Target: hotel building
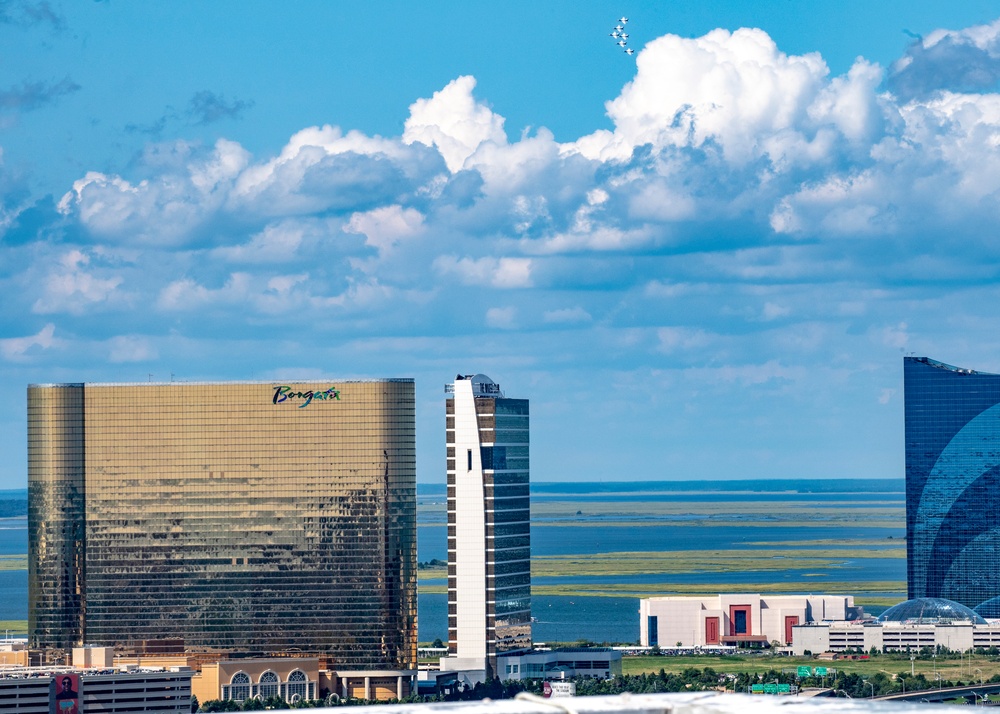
236 517
489 550
952 482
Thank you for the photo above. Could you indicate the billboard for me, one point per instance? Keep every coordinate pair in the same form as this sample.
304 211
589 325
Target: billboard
64 694
558 689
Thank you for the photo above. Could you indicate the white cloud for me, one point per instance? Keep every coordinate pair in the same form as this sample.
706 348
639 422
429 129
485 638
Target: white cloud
186 294
73 290
738 91
384 227
17 349
163 211
495 272
454 122
277 243
966 60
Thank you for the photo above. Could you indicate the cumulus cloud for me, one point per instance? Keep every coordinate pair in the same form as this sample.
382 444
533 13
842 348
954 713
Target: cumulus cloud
163 211
454 122
73 290
964 61
728 160
384 227
737 93
497 272
276 243
19 348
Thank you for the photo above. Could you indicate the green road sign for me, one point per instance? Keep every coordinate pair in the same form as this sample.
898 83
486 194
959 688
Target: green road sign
757 688
784 689
821 671
805 672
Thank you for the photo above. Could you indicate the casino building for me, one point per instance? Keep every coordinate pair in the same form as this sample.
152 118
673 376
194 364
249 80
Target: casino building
489 548
952 482
240 517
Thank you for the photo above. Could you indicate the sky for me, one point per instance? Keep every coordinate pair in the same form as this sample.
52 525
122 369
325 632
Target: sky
704 260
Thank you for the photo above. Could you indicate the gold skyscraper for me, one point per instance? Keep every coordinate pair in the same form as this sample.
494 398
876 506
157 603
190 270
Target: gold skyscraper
252 517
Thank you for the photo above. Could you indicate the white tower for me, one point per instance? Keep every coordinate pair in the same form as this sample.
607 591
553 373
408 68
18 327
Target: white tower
489 549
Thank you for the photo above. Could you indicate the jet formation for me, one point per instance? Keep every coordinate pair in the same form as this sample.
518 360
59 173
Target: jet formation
620 36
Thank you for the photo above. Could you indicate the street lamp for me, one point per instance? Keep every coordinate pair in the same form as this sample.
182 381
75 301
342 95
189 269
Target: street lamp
937 676
980 676
870 685
841 691
912 657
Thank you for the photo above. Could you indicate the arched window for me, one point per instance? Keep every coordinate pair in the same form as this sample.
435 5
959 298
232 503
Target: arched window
268 685
296 686
240 686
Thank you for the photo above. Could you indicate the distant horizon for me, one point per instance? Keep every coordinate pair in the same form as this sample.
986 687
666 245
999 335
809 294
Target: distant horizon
769 484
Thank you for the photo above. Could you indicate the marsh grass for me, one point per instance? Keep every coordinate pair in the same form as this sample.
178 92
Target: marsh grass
14 627
14 562
587 513
702 561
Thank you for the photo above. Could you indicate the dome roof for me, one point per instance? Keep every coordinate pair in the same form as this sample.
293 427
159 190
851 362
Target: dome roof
989 609
930 611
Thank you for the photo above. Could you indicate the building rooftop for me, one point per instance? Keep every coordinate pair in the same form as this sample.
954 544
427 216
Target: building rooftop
931 611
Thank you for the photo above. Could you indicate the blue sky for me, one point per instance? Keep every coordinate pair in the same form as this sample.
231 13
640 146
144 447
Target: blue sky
701 261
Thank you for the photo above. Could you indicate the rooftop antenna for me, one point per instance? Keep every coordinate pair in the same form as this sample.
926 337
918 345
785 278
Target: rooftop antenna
150 376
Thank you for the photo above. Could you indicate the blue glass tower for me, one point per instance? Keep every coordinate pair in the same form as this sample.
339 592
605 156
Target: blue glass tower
952 481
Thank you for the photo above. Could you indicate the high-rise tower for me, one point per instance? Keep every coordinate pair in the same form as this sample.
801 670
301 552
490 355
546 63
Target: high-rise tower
952 481
489 551
238 516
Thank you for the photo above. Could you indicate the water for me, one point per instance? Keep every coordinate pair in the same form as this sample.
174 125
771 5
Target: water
559 619
616 619
432 540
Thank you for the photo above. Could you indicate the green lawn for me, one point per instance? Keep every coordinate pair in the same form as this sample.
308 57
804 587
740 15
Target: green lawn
949 669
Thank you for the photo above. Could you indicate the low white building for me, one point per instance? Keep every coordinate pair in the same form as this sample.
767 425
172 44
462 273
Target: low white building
908 626
743 620
562 663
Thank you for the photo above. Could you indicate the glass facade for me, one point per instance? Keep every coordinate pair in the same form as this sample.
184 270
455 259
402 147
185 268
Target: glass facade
248 517
502 444
931 611
952 482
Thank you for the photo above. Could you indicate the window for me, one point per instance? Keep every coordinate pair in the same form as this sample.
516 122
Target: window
470 459
296 686
652 633
240 688
268 685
